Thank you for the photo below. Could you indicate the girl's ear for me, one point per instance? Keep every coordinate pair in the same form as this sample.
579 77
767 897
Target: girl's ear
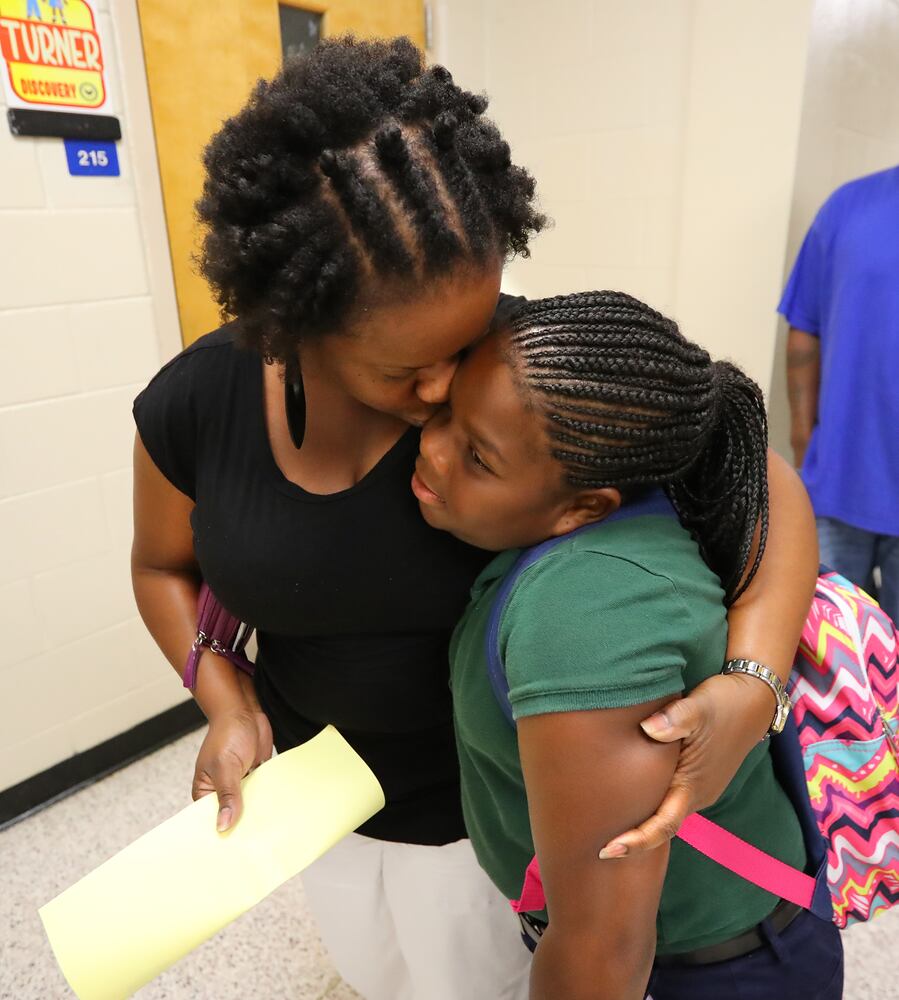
586 507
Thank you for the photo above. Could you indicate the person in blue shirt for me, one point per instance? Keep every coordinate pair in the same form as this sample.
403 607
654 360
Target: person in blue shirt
842 304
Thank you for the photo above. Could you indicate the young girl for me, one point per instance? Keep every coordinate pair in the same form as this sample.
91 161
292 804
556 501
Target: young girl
578 406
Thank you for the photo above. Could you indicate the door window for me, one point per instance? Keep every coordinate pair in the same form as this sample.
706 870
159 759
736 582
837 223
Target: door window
300 30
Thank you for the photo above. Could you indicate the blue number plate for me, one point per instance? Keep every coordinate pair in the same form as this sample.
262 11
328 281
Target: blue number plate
90 158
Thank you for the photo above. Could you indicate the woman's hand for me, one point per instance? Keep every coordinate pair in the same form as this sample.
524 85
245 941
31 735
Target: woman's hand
235 743
720 722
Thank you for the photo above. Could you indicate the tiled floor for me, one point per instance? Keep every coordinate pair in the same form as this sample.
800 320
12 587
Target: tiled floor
271 953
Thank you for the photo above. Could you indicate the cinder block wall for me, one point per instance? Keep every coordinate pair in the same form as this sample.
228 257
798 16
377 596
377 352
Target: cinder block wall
79 335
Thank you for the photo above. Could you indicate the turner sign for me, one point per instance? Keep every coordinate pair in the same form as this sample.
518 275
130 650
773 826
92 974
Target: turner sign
54 56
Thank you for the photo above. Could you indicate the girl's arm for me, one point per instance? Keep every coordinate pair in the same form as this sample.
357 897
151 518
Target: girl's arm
586 773
723 718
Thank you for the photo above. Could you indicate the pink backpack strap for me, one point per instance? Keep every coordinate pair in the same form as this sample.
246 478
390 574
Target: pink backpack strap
747 861
532 898
716 843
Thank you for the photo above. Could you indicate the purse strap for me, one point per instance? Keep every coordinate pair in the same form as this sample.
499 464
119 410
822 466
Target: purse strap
217 629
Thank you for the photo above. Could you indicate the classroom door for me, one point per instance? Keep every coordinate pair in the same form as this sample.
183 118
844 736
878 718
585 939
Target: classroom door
203 59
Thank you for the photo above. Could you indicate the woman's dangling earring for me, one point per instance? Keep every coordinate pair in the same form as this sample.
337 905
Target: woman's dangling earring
295 404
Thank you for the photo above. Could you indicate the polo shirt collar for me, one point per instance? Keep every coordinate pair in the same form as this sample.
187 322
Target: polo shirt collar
493 571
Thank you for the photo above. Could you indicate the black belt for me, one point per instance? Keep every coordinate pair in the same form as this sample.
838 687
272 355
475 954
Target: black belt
780 919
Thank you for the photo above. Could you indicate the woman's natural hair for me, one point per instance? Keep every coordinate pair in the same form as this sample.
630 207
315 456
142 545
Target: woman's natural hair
355 165
631 403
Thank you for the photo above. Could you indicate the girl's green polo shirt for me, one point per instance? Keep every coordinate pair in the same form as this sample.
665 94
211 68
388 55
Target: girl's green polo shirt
616 616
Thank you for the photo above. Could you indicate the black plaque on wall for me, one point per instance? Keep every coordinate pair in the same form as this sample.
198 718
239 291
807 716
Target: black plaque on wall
63 124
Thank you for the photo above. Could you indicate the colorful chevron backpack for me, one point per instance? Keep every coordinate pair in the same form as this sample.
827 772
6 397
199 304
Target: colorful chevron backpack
837 758
844 694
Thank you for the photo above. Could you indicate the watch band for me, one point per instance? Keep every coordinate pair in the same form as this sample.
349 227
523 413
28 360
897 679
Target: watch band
767 676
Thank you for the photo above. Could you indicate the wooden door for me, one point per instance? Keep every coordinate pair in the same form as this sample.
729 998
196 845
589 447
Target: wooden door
203 58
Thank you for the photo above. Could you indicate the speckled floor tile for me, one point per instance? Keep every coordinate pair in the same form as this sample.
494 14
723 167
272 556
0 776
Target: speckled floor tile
271 953
340 991
871 959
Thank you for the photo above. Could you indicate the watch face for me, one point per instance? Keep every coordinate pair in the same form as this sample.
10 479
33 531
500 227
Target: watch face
780 717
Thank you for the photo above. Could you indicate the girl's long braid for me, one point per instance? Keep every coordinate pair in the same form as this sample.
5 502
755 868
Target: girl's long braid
631 403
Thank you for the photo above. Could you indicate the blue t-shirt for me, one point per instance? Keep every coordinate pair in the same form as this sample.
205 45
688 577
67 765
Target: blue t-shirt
844 288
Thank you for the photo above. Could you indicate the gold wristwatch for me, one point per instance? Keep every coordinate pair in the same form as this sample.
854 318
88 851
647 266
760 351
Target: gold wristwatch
767 676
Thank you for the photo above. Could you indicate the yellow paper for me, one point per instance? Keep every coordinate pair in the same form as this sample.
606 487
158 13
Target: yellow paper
177 885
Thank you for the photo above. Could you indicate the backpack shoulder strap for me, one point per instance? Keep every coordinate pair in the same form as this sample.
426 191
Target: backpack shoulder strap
653 503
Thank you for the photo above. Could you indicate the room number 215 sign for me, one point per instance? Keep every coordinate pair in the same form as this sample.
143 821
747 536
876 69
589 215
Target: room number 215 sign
90 158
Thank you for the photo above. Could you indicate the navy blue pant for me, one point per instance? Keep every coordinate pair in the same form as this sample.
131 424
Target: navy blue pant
803 962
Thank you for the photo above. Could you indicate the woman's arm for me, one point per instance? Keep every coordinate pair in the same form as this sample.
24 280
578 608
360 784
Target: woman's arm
586 773
166 582
724 718
767 620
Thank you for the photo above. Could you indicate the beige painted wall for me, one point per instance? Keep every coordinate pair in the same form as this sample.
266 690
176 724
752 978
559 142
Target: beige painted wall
663 135
850 127
744 108
86 316
607 157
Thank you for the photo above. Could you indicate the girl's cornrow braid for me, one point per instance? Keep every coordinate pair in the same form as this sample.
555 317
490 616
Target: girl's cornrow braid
635 396
625 337
588 407
685 435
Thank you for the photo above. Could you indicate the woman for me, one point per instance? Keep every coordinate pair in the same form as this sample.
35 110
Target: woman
581 405
358 213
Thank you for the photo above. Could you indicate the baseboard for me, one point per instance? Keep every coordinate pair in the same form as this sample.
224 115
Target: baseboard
84 768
